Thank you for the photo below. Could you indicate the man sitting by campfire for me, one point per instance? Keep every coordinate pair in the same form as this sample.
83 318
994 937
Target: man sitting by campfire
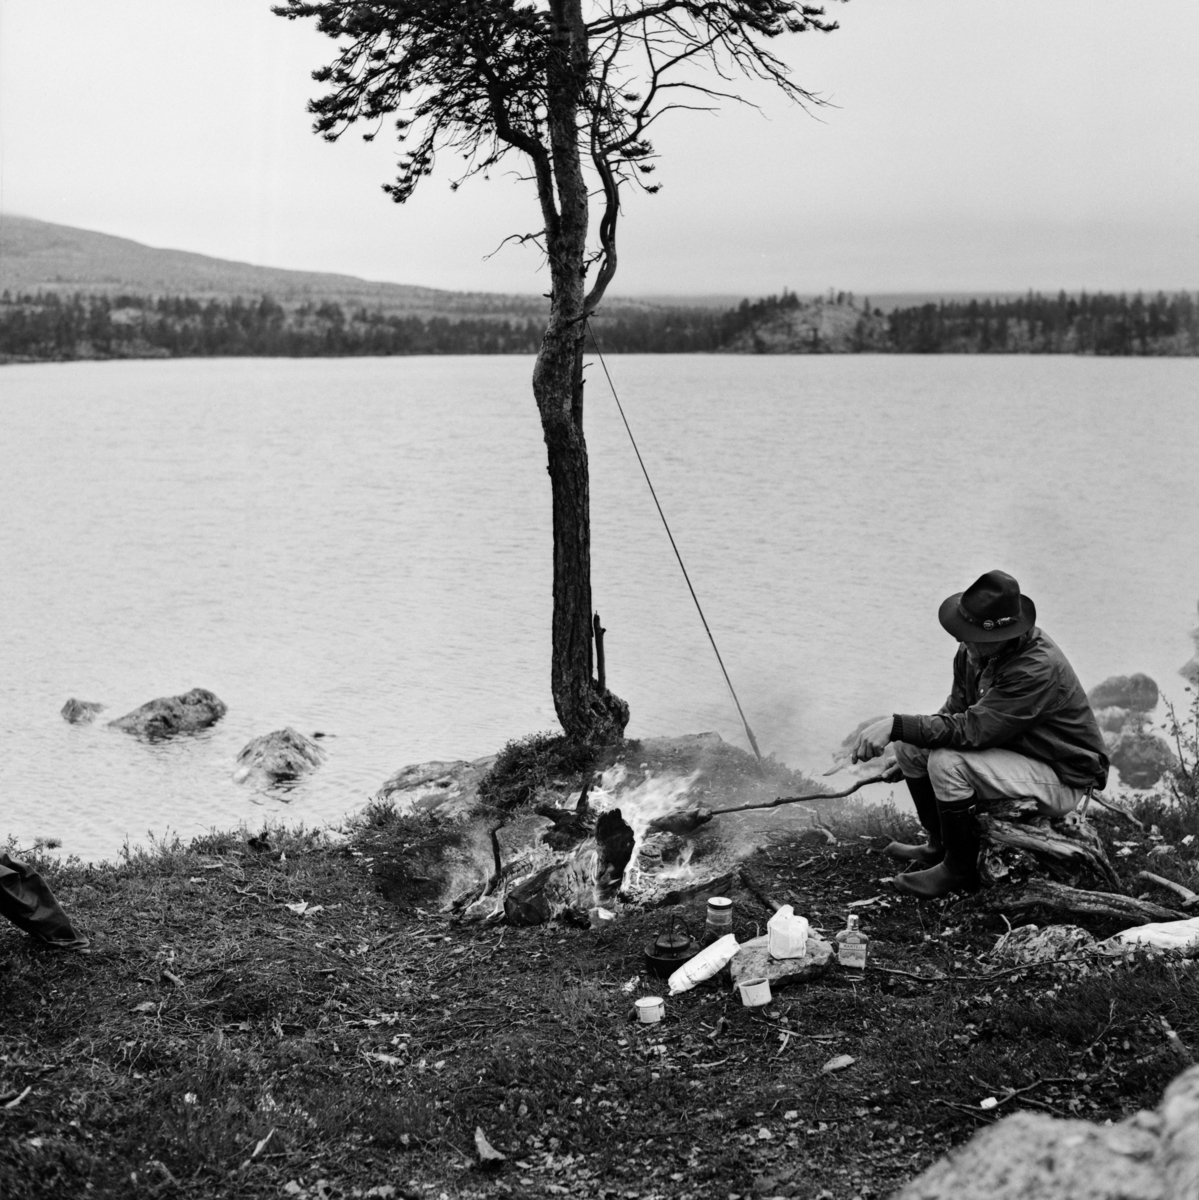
1016 724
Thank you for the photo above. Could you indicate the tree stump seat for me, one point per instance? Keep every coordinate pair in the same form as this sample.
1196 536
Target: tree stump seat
1069 850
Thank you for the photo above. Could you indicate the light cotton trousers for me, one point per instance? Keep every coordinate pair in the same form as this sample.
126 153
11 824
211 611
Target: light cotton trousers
961 778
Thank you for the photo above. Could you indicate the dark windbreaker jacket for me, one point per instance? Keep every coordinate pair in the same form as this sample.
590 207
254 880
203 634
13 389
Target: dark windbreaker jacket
1027 699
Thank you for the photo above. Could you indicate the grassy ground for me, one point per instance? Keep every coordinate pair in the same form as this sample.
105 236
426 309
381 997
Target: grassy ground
223 1040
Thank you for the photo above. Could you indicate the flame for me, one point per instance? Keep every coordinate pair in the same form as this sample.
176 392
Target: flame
656 796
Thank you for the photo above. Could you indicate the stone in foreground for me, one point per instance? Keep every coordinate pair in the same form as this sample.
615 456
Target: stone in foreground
753 961
81 712
278 757
1150 1156
168 715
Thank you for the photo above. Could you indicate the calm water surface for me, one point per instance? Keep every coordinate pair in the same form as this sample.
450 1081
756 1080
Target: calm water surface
363 547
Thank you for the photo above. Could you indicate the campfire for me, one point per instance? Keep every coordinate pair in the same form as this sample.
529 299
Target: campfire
611 844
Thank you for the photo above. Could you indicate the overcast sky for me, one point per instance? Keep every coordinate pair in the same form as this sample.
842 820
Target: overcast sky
974 145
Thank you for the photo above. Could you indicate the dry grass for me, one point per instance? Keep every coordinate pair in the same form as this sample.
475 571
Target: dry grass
373 1042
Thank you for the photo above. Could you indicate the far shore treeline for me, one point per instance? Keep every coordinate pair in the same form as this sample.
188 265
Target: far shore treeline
50 327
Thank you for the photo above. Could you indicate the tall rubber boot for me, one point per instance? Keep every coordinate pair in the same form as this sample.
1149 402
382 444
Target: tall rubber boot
958 871
925 800
27 901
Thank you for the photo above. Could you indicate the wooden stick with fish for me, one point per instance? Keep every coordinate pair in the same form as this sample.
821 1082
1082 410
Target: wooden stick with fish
692 819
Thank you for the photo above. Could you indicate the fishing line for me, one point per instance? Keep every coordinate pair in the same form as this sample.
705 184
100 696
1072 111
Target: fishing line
749 733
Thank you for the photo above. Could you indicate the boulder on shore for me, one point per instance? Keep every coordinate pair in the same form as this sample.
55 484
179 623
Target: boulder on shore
168 715
81 712
278 757
1149 1156
449 790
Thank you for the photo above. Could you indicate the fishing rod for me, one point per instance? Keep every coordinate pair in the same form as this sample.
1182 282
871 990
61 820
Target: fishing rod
749 733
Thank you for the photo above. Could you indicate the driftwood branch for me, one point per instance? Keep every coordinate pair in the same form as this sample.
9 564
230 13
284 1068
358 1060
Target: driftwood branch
1057 897
1189 898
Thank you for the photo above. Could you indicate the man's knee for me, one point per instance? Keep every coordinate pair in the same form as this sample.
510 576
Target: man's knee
949 772
911 760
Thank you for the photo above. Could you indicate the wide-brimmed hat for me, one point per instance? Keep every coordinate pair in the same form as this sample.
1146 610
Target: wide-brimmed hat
991 609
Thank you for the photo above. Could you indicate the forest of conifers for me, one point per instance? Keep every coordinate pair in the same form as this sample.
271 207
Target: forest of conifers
52 327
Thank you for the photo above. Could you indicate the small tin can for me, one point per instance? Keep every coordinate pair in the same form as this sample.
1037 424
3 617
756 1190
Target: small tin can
650 1009
719 920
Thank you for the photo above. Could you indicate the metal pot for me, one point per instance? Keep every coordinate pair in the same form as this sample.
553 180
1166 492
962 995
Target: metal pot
670 949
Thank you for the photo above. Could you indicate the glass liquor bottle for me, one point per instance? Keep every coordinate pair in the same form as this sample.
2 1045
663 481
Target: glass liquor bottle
851 945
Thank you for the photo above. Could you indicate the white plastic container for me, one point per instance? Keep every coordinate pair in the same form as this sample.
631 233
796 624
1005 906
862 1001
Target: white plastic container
704 965
755 992
787 934
650 1009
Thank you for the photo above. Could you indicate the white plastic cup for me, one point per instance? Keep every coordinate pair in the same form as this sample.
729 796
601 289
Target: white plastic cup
755 992
650 1009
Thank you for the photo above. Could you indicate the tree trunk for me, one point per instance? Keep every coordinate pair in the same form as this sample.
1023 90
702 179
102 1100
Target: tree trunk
586 712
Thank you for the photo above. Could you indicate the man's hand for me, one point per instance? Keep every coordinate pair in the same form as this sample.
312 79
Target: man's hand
872 741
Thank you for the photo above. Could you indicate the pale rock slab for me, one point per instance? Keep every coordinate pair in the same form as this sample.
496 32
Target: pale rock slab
753 961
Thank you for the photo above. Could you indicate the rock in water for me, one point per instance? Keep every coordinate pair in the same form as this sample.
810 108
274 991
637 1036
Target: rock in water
1135 692
193 711
1122 706
81 712
278 757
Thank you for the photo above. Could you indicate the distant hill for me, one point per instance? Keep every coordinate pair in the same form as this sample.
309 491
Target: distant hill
38 256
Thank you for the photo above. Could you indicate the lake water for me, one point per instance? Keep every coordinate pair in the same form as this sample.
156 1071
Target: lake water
363 547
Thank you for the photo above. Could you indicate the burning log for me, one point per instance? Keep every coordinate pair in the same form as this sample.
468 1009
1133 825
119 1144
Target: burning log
569 829
717 885
615 840
549 893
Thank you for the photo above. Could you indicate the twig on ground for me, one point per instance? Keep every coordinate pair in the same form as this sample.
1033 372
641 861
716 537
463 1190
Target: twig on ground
751 886
1012 1093
17 1100
1112 806
1176 1043
979 1114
